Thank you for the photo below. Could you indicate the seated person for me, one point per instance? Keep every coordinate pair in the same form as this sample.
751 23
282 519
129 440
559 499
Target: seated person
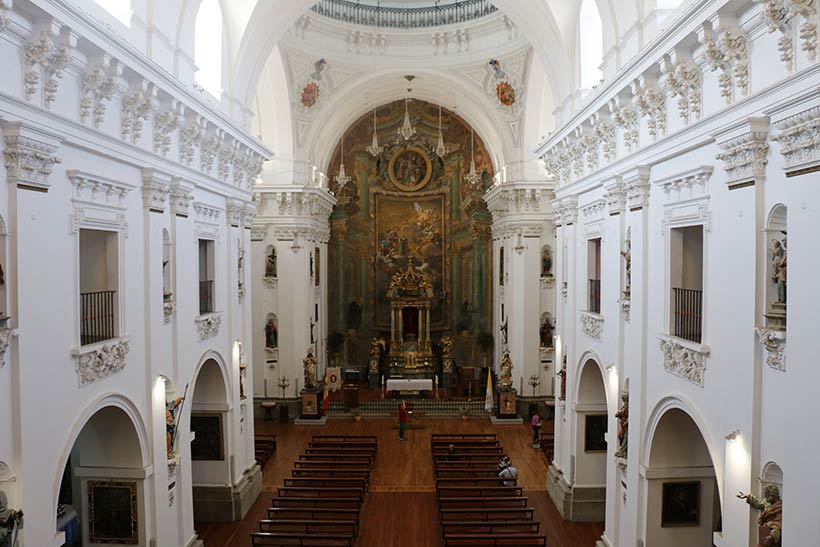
507 471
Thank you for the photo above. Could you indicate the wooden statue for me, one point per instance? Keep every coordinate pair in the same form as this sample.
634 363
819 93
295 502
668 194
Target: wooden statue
771 515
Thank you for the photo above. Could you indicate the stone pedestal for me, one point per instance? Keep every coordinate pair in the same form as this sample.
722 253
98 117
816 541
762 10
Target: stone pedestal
507 404
776 319
310 405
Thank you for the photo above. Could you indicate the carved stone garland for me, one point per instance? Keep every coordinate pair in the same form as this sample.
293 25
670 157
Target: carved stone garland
101 363
682 361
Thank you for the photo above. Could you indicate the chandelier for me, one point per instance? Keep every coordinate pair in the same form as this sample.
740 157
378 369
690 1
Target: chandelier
342 178
407 130
441 149
374 147
472 178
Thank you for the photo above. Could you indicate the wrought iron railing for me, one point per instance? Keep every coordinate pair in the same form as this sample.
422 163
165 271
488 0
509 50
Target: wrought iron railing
206 297
96 316
595 295
688 318
395 17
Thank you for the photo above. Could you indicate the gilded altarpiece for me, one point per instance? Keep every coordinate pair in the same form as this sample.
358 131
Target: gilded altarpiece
405 207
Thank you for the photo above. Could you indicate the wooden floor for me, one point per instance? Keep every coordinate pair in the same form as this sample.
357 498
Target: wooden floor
400 508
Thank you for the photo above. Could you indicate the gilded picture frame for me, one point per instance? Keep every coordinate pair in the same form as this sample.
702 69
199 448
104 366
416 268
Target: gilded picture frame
112 513
408 179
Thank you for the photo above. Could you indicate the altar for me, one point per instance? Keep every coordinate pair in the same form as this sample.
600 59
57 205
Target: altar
410 294
409 384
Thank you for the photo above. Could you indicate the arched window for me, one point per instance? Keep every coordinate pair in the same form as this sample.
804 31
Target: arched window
119 9
208 47
591 44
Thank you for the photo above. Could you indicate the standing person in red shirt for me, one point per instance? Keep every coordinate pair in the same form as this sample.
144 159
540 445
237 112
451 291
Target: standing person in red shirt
402 421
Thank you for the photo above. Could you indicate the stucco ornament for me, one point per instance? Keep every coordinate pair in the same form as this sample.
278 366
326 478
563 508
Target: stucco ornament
208 326
101 363
682 361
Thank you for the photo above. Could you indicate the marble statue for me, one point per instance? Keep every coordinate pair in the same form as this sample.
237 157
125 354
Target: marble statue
779 268
505 380
771 514
627 254
270 264
546 262
10 521
623 427
310 364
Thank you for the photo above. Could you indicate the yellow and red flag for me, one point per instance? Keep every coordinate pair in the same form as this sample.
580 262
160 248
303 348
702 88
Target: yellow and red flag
325 396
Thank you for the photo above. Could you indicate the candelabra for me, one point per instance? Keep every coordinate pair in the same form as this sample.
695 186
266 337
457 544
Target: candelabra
534 382
284 383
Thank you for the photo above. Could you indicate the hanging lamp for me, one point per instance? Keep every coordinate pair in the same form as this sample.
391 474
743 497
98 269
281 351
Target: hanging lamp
441 149
374 147
342 178
472 178
406 131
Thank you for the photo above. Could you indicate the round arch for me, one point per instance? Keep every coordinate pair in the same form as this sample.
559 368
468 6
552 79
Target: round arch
110 400
586 357
216 357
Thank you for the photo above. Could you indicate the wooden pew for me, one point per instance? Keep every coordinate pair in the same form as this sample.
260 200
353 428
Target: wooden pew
467 472
483 540
326 482
371 438
331 472
474 481
352 458
315 513
493 457
364 452
479 491
495 513
450 437
329 492
471 502
491 527
299 540
443 465
303 526
468 450
326 464
316 503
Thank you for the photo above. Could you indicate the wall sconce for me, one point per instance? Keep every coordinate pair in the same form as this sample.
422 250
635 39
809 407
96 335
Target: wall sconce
610 368
732 437
519 244
295 247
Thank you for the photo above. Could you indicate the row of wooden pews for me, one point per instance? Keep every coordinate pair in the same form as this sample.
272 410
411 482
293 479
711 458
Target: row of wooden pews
265 447
320 504
476 507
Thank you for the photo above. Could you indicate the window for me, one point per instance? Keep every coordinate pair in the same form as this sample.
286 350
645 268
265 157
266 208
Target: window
206 276
99 279
686 281
208 47
591 45
594 275
119 9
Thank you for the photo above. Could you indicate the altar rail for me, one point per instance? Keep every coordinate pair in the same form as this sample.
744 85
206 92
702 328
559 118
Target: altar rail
429 407
393 17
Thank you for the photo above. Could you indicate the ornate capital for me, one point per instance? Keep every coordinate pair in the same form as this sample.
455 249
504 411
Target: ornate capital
207 326
797 139
181 198
636 187
100 362
744 156
155 189
29 156
615 197
234 212
774 343
626 306
592 325
684 359
168 309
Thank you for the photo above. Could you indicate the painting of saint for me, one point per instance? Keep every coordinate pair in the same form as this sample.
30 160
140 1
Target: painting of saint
410 168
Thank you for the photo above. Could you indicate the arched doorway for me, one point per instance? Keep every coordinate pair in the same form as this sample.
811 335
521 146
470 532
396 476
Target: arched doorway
210 450
682 499
102 494
591 424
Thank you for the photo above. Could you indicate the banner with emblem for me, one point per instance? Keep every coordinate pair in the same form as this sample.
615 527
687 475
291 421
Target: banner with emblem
334 378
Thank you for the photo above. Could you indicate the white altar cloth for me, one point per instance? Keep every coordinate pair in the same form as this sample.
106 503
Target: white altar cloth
409 384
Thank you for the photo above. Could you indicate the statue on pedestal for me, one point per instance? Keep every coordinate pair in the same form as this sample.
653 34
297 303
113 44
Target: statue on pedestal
447 347
310 364
771 515
10 521
377 346
627 254
171 424
779 268
623 426
505 379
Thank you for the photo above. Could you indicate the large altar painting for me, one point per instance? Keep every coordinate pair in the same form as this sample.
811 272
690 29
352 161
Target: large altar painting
410 168
409 231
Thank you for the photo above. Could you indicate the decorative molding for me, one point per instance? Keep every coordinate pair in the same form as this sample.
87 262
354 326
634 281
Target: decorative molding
45 60
29 156
636 187
99 191
774 342
650 102
625 118
615 197
167 119
592 325
258 232
190 136
207 221
798 141
745 156
168 309
681 78
181 197
137 107
207 326
6 335
547 281
778 18
724 49
807 9
100 361
234 212
271 282
626 305
97 86
156 187
688 185
684 359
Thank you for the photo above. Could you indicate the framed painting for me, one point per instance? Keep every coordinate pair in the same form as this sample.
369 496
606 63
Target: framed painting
595 433
112 513
410 168
680 504
208 439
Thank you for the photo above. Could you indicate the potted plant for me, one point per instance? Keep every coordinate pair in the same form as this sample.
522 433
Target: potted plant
465 412
335 343
357 414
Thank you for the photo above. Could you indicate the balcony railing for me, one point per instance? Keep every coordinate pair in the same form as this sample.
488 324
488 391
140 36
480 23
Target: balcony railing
407 18
96 316
206 297
688 314
595 295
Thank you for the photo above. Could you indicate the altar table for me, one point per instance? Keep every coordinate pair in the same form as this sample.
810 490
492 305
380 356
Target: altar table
409 384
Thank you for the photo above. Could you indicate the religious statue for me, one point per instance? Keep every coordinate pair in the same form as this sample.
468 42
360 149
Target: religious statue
504 329
627 254
171 424
623 426
546 262
779 268
271 334
546 333
505 380
377 346
270 264
10 521
771 515
447 347
310 364
563 374
3 276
